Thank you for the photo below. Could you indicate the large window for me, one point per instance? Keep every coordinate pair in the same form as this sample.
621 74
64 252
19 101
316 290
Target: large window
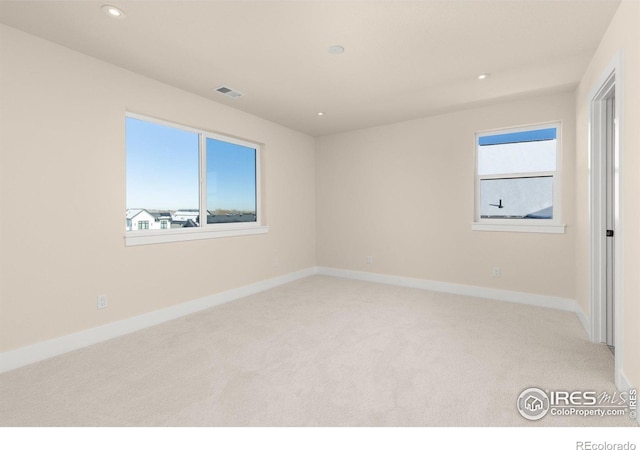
517 180
189 183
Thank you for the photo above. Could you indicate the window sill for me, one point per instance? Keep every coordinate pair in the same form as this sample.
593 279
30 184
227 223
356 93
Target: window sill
519 228
178 235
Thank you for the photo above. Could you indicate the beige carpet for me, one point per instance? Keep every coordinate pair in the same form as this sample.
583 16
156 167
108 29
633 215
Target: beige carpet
320 351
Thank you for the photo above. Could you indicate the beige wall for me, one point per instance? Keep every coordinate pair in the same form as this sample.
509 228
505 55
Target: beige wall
623 34
62 198
404 194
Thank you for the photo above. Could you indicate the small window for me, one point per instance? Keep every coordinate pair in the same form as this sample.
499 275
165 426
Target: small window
178 175
517 180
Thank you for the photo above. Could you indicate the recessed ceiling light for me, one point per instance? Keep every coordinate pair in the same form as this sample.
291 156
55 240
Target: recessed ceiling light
484 76
113 11
321 114
336 49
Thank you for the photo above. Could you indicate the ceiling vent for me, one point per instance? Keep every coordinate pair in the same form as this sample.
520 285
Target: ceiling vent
229 92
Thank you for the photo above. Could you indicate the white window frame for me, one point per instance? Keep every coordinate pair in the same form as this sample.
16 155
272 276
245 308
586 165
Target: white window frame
553 225
205 230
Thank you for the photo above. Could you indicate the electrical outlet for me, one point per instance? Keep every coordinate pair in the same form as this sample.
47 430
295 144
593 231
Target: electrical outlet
496 272
102 301
369 259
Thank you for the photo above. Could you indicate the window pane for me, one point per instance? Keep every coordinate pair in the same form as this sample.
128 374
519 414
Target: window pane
231 182
521 157
517 198
162 176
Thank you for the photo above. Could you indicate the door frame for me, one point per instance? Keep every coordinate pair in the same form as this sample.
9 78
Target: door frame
610 81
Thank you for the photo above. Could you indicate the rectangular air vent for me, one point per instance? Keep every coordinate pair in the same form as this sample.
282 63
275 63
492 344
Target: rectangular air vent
229 92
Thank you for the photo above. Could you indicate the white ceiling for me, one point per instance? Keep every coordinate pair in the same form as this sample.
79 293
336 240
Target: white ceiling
403 59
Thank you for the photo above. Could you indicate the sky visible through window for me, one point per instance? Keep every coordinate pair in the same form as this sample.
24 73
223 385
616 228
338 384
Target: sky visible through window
163 170
231 176
162 167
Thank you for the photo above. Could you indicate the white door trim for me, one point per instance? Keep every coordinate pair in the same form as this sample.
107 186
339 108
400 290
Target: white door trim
610 79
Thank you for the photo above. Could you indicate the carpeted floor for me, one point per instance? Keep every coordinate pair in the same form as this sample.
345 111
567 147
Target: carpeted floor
320 351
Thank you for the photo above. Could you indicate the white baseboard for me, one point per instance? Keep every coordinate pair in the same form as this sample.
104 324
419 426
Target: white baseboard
524 298
584 320
43 350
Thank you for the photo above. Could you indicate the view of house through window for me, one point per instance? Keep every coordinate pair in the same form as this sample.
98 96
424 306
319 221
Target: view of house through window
164 182
516 174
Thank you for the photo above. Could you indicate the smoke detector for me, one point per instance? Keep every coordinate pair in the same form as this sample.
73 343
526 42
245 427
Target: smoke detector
229 92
